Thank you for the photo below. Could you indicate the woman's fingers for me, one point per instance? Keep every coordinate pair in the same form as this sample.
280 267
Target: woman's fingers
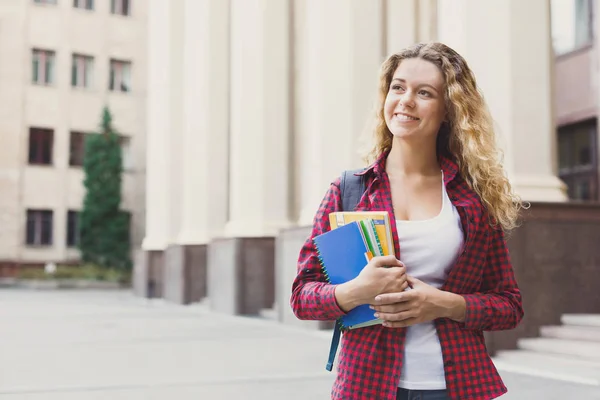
394 317
392 308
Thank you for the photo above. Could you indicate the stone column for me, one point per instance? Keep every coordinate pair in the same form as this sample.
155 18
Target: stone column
240 266
204 153
148 267
508 46
408 22
260 99
336 82
401 24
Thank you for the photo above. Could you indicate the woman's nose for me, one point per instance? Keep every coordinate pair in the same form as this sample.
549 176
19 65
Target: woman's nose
407 99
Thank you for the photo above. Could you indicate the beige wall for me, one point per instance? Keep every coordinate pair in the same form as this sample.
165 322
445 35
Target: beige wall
59 187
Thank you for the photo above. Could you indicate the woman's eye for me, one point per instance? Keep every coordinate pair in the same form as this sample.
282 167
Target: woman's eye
397 87
425 93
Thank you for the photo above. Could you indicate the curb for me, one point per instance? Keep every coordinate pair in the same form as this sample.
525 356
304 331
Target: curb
57 284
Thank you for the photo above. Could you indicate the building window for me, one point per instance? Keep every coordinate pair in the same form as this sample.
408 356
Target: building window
72 228
41 143
43 67
578 160
120 76
44 1
572 24
39 228
86 4
120 7
76 149
81 71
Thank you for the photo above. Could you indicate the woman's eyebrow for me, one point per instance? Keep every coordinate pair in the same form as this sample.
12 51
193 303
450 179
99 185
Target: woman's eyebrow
419 85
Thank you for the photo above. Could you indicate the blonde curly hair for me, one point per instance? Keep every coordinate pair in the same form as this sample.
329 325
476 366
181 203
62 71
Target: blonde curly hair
467 137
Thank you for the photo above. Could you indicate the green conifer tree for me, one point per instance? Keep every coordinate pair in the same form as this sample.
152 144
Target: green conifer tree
104 228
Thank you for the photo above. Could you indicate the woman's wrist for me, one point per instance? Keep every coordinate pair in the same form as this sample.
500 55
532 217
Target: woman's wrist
453 306
346 296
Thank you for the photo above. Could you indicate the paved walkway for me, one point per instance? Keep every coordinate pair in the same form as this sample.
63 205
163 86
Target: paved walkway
74 345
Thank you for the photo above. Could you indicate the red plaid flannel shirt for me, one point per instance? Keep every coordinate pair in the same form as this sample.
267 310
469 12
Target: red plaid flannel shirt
370 359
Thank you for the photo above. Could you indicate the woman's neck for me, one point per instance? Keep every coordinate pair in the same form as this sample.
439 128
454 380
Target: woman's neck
410 159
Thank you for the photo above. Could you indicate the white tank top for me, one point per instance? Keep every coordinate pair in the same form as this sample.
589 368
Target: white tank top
428 248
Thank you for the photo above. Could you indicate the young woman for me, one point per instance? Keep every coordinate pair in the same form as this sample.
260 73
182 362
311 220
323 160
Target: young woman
437 171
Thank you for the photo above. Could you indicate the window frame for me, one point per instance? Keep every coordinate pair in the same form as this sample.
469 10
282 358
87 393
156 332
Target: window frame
591 34
119 72
73 233
42 74
36 235
575 173
43 139
120 7
84 5
82 64
76 155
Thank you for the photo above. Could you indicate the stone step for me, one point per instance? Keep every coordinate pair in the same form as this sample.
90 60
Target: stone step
572 332
592 320
548 365
571 348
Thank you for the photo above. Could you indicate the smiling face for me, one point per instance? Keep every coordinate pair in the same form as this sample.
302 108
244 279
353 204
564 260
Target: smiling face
414 107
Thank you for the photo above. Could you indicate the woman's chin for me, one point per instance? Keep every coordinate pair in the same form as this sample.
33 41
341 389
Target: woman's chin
403 133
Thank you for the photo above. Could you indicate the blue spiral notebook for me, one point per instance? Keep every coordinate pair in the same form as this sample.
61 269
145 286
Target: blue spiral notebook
343 253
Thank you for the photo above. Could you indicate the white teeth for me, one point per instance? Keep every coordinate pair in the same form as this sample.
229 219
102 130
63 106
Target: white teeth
402 117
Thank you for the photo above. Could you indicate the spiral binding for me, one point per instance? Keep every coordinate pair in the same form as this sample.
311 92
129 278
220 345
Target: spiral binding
328 279
323 269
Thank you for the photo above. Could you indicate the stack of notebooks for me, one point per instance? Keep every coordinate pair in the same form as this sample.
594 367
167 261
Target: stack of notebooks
354 238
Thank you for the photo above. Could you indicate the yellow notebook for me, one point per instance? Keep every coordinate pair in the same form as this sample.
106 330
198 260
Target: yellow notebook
381 220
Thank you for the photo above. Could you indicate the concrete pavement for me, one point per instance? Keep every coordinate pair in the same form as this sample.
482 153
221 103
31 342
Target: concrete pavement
91 345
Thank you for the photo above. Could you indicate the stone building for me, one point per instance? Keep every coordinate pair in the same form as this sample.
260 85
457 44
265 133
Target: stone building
62 62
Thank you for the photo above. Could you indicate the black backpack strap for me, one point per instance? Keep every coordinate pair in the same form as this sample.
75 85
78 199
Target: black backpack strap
352 188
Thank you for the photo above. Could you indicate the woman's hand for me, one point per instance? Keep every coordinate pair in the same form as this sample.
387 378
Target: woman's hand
385 274
423 303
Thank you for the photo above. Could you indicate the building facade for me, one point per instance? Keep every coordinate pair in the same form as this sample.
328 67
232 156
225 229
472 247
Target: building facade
255 106
259 94
577 97
62 62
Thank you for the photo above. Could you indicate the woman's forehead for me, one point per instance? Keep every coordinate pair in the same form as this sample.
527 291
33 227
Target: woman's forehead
419 71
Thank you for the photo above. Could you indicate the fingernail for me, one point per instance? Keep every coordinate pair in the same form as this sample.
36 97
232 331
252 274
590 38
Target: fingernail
377 298
376 315
371 307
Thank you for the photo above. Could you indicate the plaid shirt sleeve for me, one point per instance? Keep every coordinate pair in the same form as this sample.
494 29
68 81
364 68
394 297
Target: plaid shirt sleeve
498 306
312 297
